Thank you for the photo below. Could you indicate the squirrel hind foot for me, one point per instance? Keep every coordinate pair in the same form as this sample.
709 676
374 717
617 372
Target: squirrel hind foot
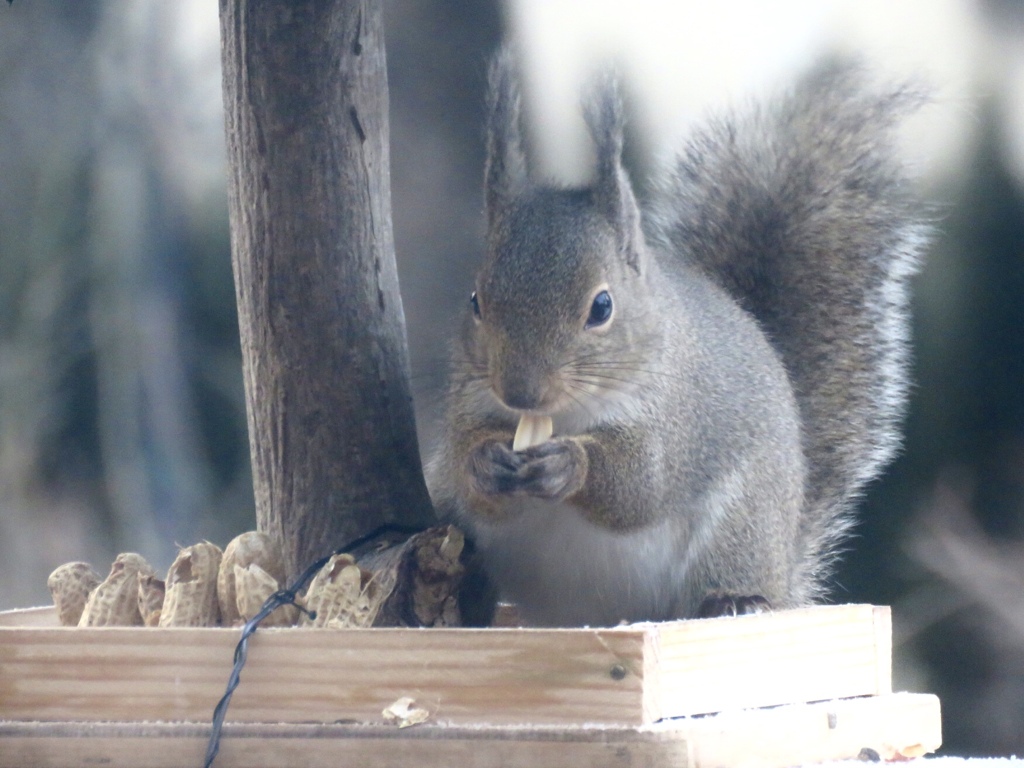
716 605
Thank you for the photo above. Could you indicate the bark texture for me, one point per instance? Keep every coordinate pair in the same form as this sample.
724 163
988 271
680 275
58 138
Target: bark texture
408 582
331 428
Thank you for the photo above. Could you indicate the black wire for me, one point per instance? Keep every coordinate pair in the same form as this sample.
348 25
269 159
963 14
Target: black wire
275 601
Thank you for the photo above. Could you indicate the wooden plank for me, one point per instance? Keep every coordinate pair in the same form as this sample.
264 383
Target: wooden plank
313 675
30 617
896 725
628 675
763 660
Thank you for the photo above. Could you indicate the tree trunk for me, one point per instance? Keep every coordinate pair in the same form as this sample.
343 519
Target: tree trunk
331 429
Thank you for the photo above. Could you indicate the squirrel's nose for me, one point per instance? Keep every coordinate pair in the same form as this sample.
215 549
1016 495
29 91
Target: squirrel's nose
524 392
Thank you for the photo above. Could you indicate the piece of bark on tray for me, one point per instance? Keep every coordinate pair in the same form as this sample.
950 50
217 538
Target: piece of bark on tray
414 582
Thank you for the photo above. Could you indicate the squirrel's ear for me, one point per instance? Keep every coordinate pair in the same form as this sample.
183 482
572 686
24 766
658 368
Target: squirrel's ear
505 173
612 190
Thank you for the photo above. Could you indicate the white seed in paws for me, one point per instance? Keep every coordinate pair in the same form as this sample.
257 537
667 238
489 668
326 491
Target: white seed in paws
532 430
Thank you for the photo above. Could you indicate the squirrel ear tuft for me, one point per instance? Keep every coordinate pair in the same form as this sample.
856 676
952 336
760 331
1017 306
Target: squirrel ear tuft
505 174
613 193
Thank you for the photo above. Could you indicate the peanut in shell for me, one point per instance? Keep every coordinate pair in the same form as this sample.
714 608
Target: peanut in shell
342 595
253 586
191 588
115 601
70 585
251 547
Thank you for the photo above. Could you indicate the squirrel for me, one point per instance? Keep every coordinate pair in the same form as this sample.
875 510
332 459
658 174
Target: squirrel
716 377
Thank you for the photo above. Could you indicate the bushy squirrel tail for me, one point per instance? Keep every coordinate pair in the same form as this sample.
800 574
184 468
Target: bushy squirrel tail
801 211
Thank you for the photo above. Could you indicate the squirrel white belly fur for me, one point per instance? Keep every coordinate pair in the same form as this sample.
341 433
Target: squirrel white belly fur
724 372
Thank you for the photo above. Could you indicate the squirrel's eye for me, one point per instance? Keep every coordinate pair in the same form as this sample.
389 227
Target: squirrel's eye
473 302
600 310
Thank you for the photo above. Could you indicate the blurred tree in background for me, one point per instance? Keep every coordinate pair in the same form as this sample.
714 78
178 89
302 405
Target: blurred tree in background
120 392
122 424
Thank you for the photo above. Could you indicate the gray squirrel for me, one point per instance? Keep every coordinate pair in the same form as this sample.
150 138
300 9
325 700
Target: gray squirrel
711 380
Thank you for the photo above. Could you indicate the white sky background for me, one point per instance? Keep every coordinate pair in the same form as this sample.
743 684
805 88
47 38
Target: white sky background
684 57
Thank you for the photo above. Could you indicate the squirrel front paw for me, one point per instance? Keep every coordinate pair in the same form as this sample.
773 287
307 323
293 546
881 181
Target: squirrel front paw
555 469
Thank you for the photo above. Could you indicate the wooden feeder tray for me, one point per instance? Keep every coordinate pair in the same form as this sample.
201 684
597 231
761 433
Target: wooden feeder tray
776 689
